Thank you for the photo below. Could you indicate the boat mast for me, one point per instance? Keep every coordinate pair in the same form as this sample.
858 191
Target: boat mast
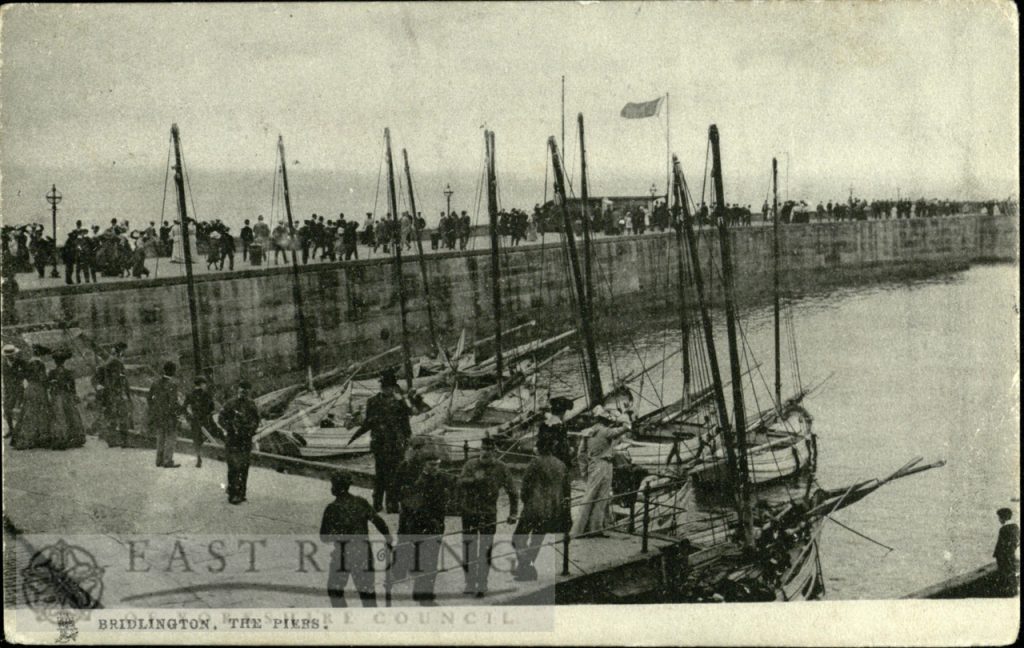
397 241
419 250
709 335
492 212
739 415
300 315
684 324
775 257
594 391
193 315
585 213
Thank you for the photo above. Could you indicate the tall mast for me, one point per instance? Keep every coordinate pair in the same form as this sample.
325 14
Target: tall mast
395 229
775 257
739 414
492 212
300 313
594 391
563 112
419 250
709 335
193 315
684 324
584 197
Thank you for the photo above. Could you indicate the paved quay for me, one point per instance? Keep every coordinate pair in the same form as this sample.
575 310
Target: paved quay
167 538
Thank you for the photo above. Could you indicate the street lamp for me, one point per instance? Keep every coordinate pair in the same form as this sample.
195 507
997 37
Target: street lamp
448 196
53 198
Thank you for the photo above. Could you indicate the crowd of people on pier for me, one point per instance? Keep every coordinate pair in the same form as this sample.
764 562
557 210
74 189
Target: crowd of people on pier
119 251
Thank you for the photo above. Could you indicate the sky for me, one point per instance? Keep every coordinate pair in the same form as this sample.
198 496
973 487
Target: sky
877 96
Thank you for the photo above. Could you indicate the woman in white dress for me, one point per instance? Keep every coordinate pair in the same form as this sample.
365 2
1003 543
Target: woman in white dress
178 252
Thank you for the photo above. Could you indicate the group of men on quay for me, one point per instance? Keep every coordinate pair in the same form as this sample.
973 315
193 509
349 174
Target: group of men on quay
41 411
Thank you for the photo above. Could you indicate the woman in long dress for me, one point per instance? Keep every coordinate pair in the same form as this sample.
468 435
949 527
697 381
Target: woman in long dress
67 430
178 253
33 427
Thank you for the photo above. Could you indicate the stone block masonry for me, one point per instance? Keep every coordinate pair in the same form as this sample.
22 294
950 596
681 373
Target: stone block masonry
247 318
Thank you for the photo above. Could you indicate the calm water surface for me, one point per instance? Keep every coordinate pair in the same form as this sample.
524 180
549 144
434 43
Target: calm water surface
927 369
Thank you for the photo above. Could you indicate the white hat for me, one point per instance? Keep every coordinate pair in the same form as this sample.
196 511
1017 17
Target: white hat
9 350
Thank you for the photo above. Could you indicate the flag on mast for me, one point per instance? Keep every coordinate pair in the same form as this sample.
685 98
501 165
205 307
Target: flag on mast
643 109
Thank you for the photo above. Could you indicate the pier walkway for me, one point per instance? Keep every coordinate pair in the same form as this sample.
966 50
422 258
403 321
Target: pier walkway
168 537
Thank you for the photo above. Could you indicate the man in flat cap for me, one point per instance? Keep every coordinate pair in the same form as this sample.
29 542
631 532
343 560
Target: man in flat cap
114 397
387 421
345 526
162 409
240 419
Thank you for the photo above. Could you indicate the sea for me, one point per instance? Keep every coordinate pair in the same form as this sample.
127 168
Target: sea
900 370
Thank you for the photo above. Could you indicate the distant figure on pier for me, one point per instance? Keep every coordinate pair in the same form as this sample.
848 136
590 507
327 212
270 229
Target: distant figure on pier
240 418
67 427
1006 546
32 429
280 242
261 233
345 526
465 225
114 398
227 248
247 235
481 480
387 421
162 409
199 408
545 491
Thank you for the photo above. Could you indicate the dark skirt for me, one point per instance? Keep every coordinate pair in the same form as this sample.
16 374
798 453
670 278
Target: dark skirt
68 431
33 429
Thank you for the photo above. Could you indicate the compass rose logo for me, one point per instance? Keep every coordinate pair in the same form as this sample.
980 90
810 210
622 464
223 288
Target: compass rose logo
61 580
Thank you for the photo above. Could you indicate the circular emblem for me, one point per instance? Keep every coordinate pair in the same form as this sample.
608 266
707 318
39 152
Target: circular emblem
62 579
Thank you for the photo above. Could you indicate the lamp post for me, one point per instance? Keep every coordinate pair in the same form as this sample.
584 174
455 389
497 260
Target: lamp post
53 198
448 196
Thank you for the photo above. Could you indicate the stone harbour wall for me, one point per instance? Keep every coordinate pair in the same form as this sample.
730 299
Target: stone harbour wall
247 319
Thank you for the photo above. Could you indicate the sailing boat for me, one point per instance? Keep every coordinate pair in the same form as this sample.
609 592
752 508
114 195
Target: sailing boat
760 548
512 398
323 419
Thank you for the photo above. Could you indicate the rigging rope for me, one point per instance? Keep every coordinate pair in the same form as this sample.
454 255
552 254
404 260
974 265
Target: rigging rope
163 202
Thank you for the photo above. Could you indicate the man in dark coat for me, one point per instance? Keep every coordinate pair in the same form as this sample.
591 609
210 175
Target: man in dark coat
387 421
552 432
227 248
345 526
240 418
1006 545
421 523
545 492
247 236
199 410
481 480
114 397
69 254
162 408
